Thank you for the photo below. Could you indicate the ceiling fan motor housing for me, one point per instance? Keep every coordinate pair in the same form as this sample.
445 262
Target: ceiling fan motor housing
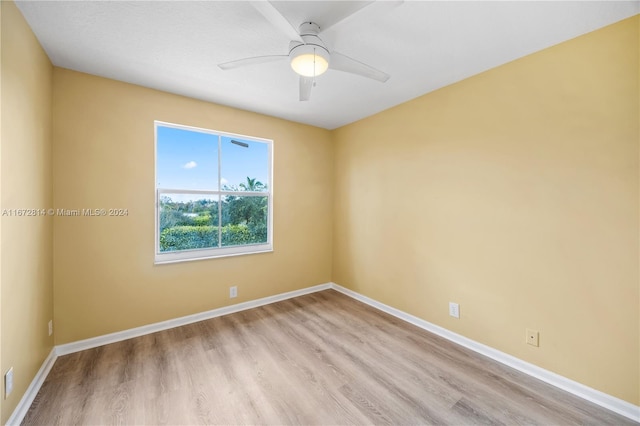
311 58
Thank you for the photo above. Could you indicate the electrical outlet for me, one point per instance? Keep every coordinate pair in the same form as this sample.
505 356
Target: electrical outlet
8 383
454 310
533 337
233 292
50 327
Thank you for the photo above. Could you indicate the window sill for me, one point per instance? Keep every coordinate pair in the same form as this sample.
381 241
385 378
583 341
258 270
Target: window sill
193 255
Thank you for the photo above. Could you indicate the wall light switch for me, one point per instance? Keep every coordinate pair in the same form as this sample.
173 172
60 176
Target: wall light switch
454 310
8 383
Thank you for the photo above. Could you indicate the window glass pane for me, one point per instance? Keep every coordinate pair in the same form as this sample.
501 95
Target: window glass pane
245 165
186 159
188 221
244 220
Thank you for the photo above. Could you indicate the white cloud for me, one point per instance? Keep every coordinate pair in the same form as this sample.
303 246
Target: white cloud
190 165
224 181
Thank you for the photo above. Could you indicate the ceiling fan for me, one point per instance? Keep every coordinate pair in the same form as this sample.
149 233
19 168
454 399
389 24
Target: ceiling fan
308 55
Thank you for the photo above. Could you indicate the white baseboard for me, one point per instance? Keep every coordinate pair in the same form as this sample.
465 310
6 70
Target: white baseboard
607 401
585 392
94 342
27 399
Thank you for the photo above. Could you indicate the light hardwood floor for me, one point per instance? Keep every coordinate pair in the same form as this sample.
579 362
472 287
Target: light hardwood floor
322 358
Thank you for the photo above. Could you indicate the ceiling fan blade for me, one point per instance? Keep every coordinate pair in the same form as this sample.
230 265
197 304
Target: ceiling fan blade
277 20
344 63
251 61
379 7
305 88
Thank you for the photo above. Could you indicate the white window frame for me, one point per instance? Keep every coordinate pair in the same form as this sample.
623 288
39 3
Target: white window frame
213 252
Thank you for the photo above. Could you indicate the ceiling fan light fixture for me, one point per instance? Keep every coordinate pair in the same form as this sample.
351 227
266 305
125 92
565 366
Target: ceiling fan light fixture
309 60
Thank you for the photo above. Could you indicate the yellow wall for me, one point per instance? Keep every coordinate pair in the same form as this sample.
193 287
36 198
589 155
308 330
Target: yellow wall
105 279
515 194
26 177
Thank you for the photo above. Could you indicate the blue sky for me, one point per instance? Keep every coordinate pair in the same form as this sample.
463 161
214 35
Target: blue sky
188 159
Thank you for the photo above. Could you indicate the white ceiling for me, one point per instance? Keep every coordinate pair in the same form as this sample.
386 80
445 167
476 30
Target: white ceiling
175 46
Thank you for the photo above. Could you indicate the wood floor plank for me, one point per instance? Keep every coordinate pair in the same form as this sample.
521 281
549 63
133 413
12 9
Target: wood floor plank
319 359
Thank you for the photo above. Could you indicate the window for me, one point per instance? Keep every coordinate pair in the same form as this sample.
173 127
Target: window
213 194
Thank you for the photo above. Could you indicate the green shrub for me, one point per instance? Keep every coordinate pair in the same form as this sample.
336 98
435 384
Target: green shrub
202 220
233 235
188 237
195 237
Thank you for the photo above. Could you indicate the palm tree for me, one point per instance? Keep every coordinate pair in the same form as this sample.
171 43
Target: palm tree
253 185
250 210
